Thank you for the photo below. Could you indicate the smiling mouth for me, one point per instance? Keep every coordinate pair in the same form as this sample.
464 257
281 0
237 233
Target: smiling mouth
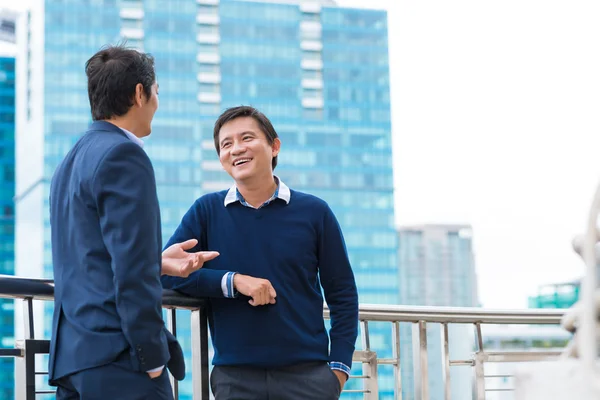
241 161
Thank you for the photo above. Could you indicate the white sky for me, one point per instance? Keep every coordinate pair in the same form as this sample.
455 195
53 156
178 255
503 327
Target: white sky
495 113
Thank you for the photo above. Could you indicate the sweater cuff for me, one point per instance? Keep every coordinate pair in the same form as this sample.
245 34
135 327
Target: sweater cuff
227 285
340 367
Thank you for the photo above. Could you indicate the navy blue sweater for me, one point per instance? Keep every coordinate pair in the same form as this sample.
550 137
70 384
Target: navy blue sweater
298 247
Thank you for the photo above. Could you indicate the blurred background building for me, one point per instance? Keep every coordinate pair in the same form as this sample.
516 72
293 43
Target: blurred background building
437 268
556 295
320 72
7 190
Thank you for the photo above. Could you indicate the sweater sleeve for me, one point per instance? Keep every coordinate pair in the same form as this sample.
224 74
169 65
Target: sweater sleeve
339 288
205 282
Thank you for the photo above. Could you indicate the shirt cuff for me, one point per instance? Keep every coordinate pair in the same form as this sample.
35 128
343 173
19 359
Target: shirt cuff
155 369
227 285
340 367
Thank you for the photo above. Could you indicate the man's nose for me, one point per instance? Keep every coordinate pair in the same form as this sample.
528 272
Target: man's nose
237 148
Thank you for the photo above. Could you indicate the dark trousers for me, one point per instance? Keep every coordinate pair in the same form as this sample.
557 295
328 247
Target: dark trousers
307 381
114 381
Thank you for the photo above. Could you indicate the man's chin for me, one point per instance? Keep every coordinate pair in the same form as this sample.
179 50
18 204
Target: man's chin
241 176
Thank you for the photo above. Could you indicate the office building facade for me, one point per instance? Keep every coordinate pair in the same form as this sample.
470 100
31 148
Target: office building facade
7 189
320 72
7 213
437 268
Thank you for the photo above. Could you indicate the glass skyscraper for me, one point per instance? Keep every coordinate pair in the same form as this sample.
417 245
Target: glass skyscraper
437 268
7 214
318 71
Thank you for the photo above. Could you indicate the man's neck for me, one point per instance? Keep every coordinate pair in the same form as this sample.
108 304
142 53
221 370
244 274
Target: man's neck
256 193
125 123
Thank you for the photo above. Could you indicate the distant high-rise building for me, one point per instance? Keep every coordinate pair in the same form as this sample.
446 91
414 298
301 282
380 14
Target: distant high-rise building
7 214
437 268
8 20
556 295
320 72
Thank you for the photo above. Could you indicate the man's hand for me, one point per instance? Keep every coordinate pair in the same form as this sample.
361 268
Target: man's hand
176 261
260 290
155 374
342 377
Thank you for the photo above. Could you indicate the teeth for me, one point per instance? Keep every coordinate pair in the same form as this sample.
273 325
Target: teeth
238 162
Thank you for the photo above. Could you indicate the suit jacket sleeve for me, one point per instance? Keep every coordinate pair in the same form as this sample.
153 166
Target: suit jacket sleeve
125 193
204 282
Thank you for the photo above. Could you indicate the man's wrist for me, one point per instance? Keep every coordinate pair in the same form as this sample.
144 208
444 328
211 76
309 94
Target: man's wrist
227 285
339 366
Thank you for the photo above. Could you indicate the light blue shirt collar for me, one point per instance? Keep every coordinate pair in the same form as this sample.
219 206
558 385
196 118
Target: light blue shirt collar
133 138
282 192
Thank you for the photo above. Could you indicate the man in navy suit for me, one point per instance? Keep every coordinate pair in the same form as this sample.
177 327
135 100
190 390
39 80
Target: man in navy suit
108 337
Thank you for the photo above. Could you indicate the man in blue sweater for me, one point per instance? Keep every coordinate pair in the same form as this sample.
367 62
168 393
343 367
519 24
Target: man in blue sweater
278 248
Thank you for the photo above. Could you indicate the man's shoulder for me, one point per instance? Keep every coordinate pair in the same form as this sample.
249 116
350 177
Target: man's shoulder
209 200
94 144
307 199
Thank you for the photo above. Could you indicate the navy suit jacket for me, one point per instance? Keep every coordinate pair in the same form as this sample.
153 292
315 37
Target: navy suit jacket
106 254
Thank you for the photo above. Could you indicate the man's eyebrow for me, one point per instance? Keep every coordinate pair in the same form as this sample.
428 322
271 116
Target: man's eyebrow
240 134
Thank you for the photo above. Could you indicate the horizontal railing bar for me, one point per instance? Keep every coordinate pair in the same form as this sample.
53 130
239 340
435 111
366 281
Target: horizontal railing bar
359 377
498 376
45 391
43 289
41 373
11 353
462 363
12 287
519 357
387 361
457 315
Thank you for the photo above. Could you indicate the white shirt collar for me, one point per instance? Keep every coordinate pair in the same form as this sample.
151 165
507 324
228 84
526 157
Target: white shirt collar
283 193
134 138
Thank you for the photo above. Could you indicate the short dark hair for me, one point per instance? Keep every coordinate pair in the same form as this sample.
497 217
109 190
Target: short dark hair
246 111
112 74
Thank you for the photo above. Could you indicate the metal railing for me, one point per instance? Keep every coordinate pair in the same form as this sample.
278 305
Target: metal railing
420 318
27 348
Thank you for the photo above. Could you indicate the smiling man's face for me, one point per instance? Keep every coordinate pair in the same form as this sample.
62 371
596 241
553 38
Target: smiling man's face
245 152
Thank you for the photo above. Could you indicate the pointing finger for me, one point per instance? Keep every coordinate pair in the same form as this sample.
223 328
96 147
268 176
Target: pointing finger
208 255
189 244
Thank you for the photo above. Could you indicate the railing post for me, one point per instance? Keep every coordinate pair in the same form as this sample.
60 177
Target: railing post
25 373
25 365
21 372
200 383
366 343
446 363
397 361
172 325
421 376
29 331
478 371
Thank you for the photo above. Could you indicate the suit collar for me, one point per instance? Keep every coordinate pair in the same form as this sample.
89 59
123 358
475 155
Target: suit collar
107 126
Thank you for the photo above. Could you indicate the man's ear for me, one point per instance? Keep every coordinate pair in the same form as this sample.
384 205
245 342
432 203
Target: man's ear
140 95
276 146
